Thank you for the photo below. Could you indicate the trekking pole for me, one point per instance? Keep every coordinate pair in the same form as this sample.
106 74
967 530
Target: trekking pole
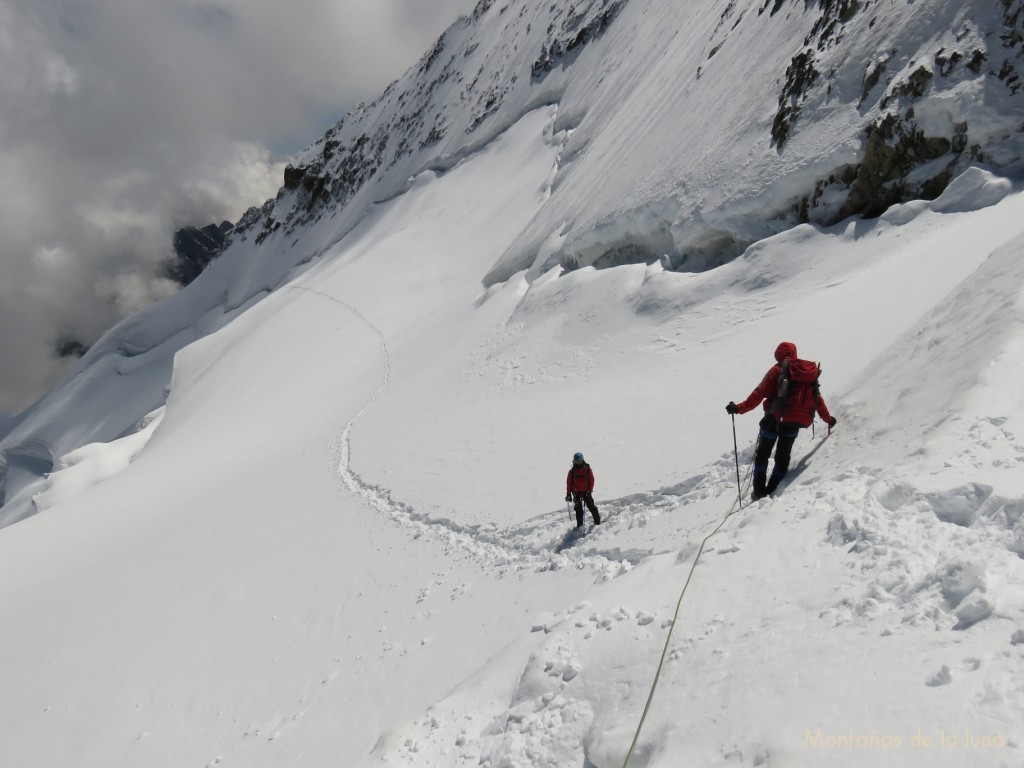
736 453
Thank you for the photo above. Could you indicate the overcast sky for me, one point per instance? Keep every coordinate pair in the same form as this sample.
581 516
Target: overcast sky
121 120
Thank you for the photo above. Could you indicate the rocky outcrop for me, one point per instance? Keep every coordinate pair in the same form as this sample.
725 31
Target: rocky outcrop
919 141
827 31
194 248
573 27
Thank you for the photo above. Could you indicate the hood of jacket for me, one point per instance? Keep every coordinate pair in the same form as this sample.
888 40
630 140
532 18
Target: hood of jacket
785 350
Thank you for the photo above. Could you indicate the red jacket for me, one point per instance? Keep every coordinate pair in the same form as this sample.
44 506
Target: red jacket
801 404
580 479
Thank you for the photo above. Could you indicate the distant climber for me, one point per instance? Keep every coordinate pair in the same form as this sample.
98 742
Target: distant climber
791 398
579 489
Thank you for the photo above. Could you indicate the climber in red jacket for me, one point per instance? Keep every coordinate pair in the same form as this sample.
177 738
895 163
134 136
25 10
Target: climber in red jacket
791 398
579 489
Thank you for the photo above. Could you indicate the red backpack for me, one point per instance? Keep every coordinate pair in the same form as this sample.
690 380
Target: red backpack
795 378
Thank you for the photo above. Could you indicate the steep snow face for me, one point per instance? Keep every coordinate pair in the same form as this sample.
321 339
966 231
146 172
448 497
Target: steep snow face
688 131
698 128
703 129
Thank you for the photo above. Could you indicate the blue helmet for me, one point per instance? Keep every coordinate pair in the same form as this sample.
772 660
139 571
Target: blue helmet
577 458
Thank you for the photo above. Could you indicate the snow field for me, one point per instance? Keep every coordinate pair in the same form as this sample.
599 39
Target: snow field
345 544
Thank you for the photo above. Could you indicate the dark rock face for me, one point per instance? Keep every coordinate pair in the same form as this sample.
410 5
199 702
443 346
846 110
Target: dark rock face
68 346
194 248
900 161
828 30
894 149
575 26
800 76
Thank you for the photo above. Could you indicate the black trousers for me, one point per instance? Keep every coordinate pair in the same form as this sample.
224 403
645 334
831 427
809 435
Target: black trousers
780 437
579 498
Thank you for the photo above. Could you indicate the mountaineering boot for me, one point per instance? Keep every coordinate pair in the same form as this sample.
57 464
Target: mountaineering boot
773 484
760 473
597 517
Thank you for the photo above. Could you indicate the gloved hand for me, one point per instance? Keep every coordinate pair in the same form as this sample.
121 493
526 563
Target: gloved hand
568 496
831 422
732 408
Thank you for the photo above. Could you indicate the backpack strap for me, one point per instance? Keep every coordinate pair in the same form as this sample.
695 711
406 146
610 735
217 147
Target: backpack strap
782 391
817 389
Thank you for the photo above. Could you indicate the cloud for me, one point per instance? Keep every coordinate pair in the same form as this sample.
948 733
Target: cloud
125 119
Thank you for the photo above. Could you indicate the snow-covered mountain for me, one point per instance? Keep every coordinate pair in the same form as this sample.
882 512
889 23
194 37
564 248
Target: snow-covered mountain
687 132
307 511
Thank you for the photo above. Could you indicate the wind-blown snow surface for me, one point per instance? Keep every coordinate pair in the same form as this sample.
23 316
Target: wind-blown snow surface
342 541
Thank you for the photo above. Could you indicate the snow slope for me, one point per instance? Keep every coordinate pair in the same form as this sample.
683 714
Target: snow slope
308 511
342 541
688 132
